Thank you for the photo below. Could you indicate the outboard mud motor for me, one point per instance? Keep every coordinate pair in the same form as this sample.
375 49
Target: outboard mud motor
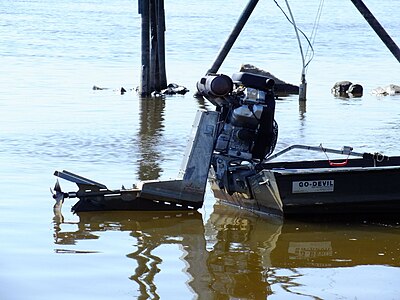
247 132
234 140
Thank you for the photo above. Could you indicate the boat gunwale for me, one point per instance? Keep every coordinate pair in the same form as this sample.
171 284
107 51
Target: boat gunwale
287 171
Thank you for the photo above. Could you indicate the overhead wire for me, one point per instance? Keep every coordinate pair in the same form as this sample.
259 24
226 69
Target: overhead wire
315 29
311 40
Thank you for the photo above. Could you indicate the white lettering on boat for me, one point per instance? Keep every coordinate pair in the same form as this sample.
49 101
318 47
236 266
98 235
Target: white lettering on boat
313 186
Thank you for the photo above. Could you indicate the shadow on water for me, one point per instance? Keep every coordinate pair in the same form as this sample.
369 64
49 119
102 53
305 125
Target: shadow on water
236 253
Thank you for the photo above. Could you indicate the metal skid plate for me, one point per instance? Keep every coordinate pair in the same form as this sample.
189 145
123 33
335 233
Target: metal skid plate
94 196
184 193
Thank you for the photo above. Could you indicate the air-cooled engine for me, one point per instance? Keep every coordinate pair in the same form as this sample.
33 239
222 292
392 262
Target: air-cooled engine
247 131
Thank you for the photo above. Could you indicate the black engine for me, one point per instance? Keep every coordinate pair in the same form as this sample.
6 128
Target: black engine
247 132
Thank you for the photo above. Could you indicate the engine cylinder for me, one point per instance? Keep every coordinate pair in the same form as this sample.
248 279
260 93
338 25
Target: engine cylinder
247 117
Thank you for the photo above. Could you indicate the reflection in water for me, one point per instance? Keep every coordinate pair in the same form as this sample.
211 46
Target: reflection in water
151 127
249 251
68 238
302 118
203 103
240 257
181 228
151 230
247 256
302 110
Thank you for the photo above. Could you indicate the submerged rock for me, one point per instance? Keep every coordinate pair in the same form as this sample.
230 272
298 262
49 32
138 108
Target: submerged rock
281 87
390 90
355 90
341 87
173 89
347 89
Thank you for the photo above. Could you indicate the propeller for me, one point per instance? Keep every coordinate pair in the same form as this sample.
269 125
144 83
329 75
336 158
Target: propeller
58 195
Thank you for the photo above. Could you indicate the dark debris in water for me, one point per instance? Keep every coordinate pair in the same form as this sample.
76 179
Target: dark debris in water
172 89
122 90
70 251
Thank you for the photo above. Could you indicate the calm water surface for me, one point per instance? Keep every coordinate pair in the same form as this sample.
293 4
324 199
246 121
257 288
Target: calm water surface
52 53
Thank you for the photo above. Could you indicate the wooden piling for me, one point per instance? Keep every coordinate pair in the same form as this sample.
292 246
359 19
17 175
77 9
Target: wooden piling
161 43
153 47
153 72
144 11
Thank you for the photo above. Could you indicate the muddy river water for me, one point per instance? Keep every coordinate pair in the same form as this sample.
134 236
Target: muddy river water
51 55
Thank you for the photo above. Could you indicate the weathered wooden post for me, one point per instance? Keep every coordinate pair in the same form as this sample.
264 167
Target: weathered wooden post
144 11
153 46
161 43
153 74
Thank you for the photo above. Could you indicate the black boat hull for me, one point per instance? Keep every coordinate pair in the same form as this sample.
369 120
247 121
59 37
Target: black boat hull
314 187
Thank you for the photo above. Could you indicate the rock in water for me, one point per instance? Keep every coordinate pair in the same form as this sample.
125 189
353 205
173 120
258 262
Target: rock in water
391 90
173 89
347 89
355 90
